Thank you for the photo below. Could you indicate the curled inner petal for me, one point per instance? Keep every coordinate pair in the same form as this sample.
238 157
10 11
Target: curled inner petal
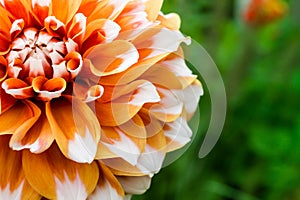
95 92
48 89
74 63
17 88
54 26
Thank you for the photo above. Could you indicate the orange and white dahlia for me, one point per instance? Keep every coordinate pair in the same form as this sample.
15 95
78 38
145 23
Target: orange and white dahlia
94 93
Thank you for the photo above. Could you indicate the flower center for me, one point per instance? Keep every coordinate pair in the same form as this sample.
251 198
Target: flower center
37 53
40 65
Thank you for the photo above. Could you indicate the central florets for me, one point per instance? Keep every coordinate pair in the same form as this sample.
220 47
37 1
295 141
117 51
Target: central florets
40 65
37 53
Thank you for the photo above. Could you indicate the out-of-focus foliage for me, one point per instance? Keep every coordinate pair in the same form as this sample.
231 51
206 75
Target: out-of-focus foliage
258 154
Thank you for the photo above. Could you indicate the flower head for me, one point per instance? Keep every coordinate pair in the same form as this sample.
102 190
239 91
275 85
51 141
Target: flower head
93 95
260 12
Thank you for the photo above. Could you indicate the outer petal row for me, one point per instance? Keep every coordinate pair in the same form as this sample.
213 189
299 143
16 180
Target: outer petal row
123 108
54 176
75 128
13 184
50 174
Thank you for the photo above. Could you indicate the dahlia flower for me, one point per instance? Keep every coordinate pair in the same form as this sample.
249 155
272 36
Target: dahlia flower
94 94
260 12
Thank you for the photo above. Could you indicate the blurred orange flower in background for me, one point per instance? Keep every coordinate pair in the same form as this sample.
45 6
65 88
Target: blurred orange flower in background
93 96
260 12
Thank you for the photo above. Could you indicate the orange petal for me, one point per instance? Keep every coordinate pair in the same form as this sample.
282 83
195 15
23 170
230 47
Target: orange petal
88 6
35 113
125 107
160 75
190 97
169 108
121 167
64 10
18 9
5 22
153 8
77 28
176 64
13 184
115 114
5 31
15 68
151 123
86 92
156 142
104 152
99 31
149 163
134 184
114 92
107 10
4 45
17 88
19 117
136 131
17 27
6 101
94 93
55 26
133 19
3 68
75 128
151 160
156 41
37 139
73 63
177 133
126 142
108 28
48 89
120 144
171 20
171 72
56 177
112 58
108 186
40 10
60 70
151 49
131 73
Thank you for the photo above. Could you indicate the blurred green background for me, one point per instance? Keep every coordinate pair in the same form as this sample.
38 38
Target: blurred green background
258 154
